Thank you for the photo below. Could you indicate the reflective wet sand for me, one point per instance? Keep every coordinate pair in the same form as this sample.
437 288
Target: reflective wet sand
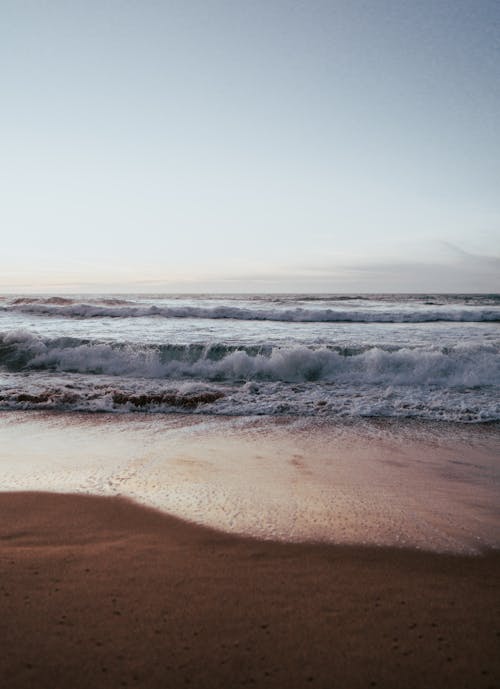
413 484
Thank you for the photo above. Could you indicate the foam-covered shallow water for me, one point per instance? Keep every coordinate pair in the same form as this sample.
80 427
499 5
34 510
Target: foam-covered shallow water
425 356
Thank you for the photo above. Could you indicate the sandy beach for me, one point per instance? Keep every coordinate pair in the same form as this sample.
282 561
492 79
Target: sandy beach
100 592
250 345
208 552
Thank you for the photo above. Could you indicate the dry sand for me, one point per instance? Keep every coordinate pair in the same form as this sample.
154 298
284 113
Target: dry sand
99 592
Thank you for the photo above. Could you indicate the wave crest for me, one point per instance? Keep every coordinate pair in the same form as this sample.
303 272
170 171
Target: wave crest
460 365
114 308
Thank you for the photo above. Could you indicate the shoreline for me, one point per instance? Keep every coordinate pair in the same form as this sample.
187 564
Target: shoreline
425 485
102 592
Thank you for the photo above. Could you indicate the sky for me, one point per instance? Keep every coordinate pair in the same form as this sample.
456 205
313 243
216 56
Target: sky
249 145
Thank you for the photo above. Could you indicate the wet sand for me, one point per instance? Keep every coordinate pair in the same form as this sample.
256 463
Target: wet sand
421 485
100 592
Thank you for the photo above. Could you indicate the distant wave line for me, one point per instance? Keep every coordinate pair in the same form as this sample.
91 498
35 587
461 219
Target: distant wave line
422 314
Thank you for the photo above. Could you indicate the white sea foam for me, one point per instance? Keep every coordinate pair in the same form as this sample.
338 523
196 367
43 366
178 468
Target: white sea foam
100 393
433 356
395 314
462 365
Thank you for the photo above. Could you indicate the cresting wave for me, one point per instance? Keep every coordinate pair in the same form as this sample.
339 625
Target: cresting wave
66 301
464 365
60 308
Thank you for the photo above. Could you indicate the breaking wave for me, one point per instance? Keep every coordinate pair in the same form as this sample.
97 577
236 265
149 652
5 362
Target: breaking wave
111 308
28 302
467 365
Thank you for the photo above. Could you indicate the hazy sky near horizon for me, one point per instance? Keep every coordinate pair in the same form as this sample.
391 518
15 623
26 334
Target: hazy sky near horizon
267 145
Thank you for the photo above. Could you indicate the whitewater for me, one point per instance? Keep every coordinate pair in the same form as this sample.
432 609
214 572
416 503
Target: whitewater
331 356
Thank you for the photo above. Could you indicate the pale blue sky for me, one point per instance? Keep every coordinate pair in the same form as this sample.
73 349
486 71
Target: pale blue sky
266 145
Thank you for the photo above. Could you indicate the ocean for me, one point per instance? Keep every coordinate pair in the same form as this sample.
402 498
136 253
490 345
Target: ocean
433 356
